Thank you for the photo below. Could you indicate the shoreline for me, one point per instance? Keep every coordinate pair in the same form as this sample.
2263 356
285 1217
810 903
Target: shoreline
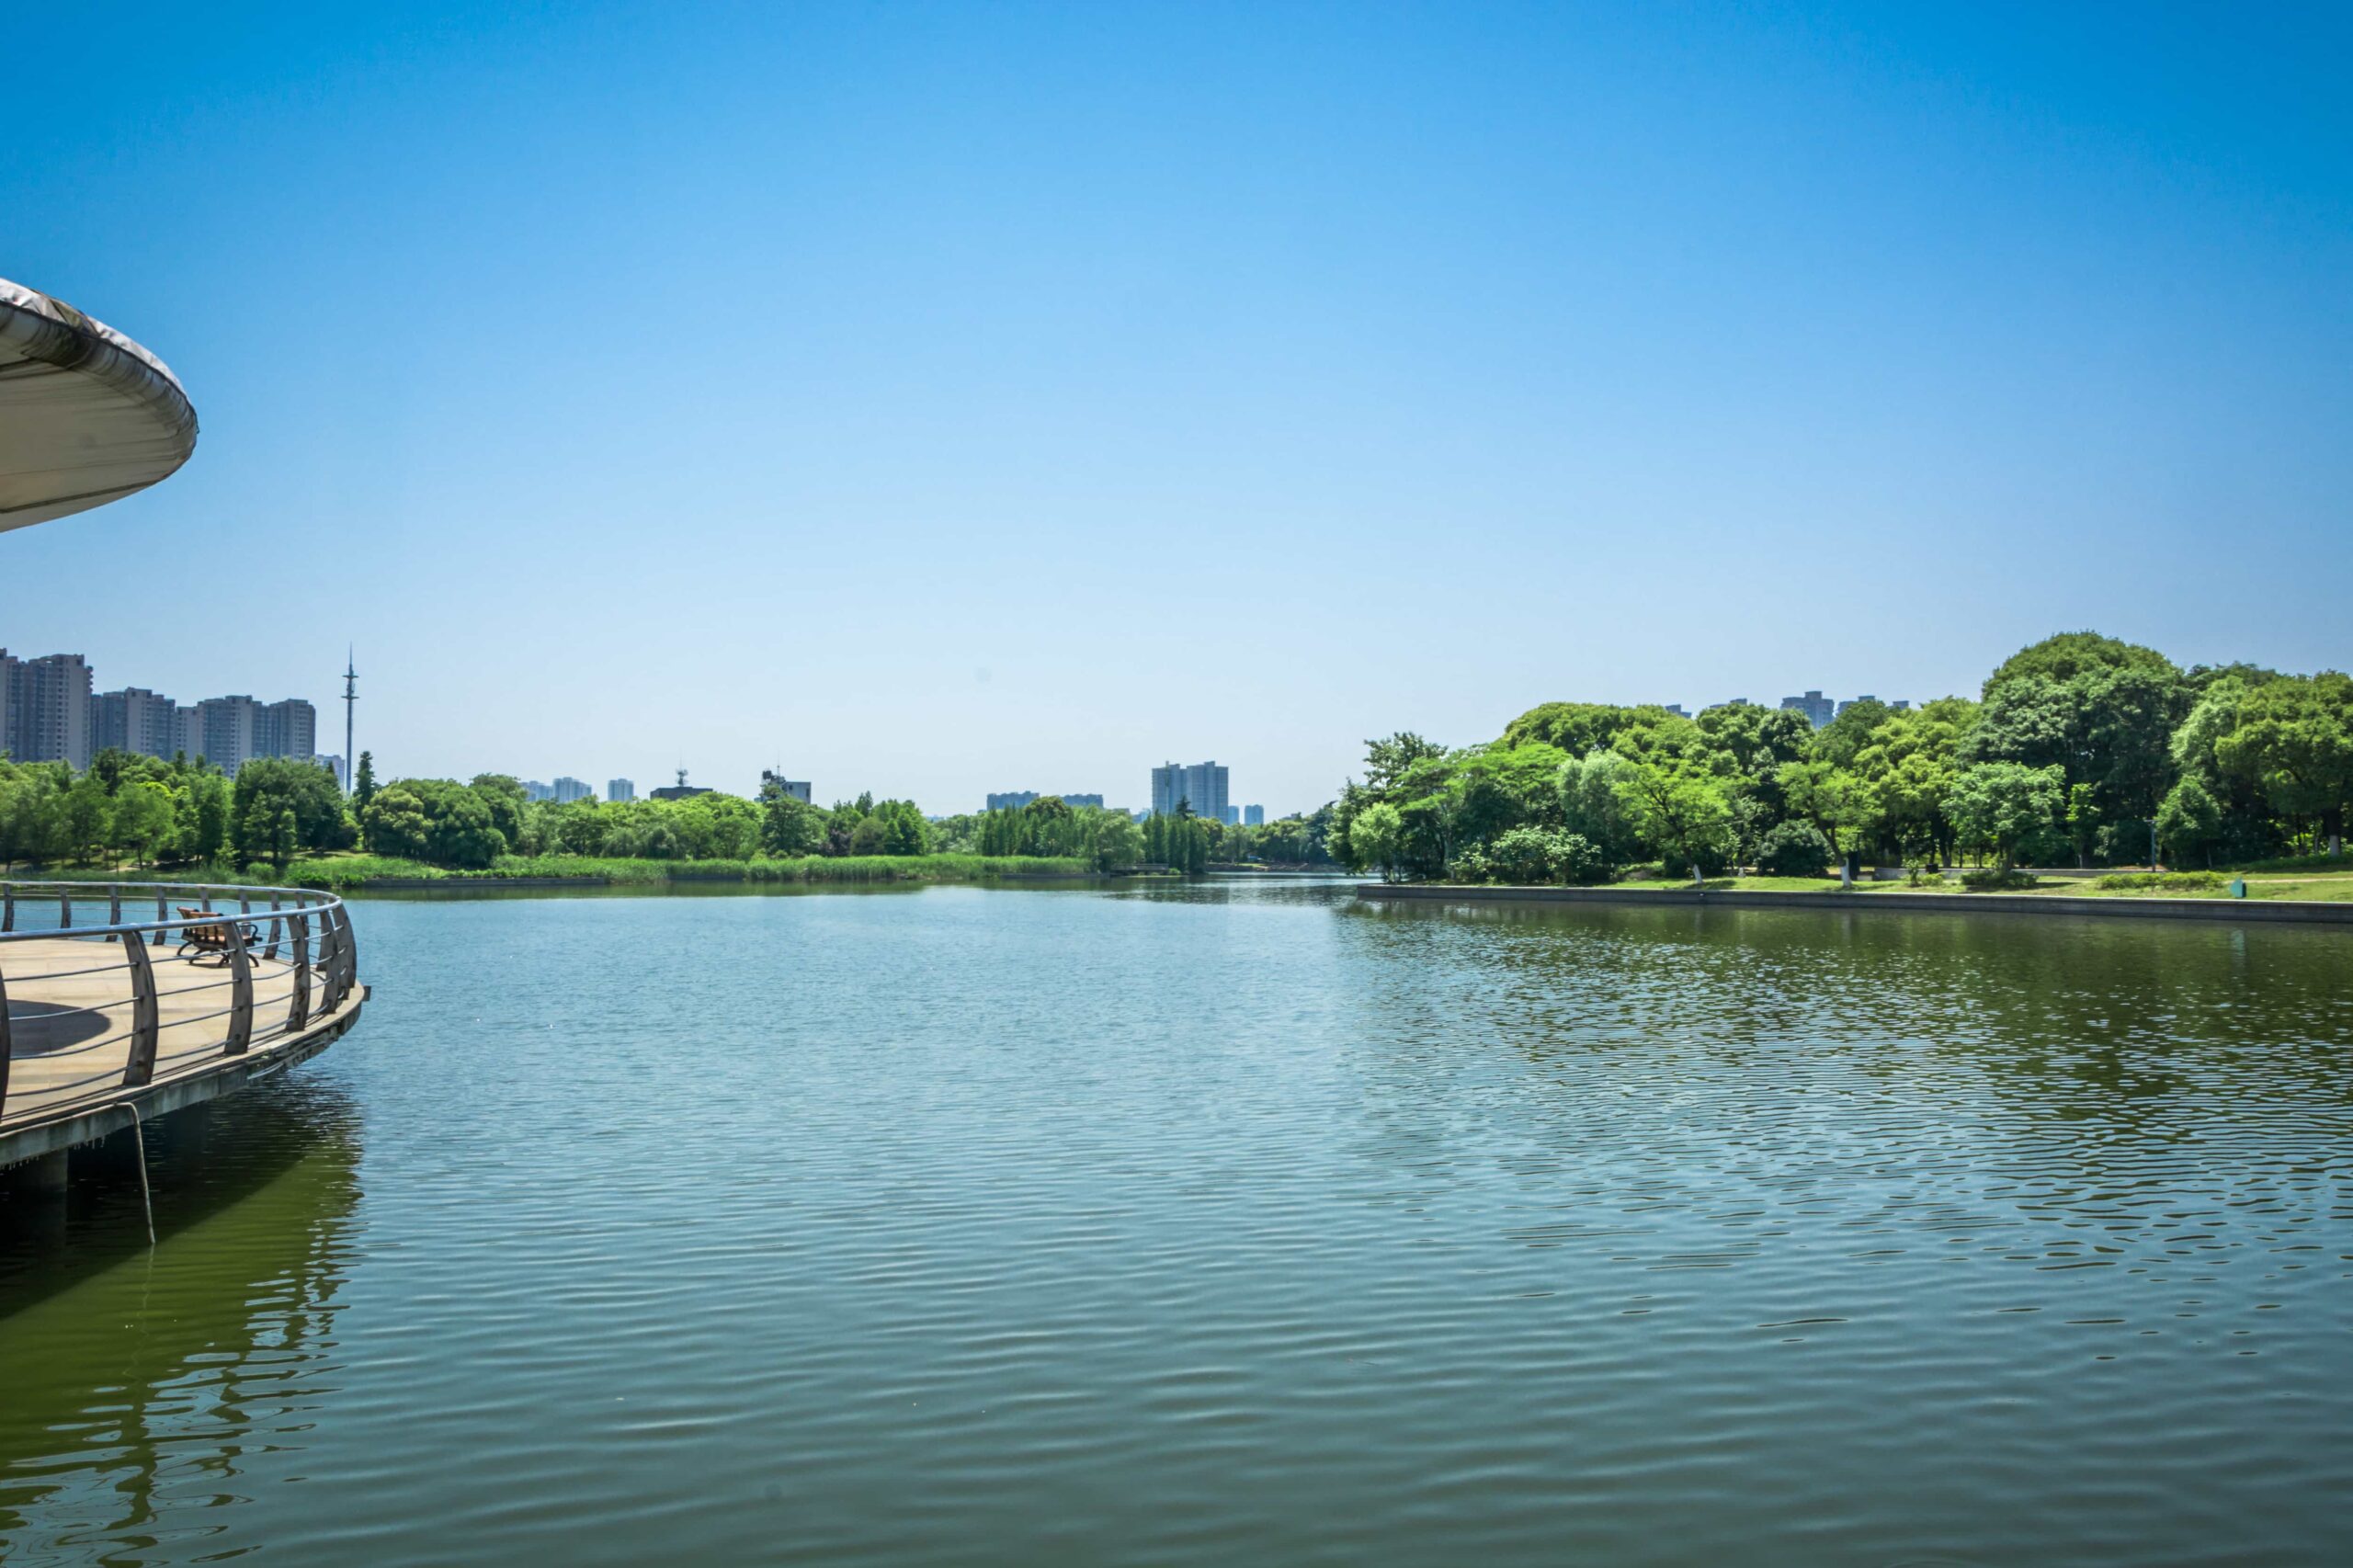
2262 911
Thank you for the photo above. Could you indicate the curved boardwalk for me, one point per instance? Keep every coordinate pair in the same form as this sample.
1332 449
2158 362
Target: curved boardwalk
76 1065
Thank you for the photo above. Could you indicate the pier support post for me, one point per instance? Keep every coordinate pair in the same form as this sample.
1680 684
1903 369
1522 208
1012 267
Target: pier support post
49 1173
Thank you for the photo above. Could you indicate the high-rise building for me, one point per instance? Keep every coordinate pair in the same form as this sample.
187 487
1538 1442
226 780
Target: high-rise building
1818 709
1200 785
136 720
287 729
1254 816
1014 800
568 789
1900 705
620 789
538 790
335 765
793 789
229 732
48 714
225 730
45 709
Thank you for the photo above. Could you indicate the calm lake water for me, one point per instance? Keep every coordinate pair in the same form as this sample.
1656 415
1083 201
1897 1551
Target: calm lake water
1226 1224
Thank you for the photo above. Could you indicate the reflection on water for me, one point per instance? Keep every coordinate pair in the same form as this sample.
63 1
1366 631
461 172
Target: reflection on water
1231 1221
136 1381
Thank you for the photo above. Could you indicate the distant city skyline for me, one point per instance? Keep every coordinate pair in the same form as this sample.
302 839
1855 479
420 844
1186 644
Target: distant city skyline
1014 800
134 712
1200 787
51 712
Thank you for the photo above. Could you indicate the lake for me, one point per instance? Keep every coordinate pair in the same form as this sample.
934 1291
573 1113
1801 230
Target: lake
1225 1222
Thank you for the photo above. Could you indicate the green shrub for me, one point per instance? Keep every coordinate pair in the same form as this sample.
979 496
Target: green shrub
1793 849
1997 878
2163 881
1537 855
1472 865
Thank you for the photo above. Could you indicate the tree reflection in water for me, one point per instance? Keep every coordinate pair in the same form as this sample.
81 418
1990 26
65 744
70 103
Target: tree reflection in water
157 1372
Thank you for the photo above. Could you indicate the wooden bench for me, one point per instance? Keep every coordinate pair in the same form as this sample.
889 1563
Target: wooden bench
208 943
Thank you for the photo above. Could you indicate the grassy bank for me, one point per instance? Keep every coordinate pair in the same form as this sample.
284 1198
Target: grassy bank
360 871
2281 879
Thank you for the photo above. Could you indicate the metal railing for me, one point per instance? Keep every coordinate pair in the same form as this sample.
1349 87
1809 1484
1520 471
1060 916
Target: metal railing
297 941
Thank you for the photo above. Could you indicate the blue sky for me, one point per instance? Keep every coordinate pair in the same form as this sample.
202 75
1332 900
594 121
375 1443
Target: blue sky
940 399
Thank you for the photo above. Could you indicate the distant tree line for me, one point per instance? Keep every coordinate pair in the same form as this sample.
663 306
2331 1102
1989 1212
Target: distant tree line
2080 748
126 808
1114 840
470 825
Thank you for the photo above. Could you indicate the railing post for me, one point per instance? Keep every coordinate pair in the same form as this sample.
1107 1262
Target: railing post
8 907
146 1025
350 950
65 909
241 992
277 928
161 912
300 1013
114 904
330 962
6 1044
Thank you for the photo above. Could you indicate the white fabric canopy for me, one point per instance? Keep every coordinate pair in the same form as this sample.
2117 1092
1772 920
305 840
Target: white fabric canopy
86 416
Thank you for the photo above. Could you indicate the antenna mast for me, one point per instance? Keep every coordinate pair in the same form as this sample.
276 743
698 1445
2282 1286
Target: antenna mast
350 696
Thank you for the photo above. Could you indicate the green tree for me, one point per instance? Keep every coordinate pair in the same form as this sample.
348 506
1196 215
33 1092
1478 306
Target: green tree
2101 710
1680 813
463 830
1577 728
206 832
2294 742
363 783
1375 838
434 820
268 785
1593 805
1119 841
395 822
144 820
85 814
1794 848
2007 807
2190 823
504 795
788 828
33 825
1839 802
1386 761
902 832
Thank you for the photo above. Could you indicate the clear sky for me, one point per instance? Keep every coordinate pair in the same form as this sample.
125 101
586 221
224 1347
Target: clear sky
941 399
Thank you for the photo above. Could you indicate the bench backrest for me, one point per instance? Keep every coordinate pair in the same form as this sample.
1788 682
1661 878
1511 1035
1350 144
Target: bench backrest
215 935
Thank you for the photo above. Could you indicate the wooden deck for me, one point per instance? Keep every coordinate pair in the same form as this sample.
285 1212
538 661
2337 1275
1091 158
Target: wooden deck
70 1019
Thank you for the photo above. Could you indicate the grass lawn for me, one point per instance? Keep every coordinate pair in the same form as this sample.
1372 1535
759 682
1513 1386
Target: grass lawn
2297 883
2336 888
